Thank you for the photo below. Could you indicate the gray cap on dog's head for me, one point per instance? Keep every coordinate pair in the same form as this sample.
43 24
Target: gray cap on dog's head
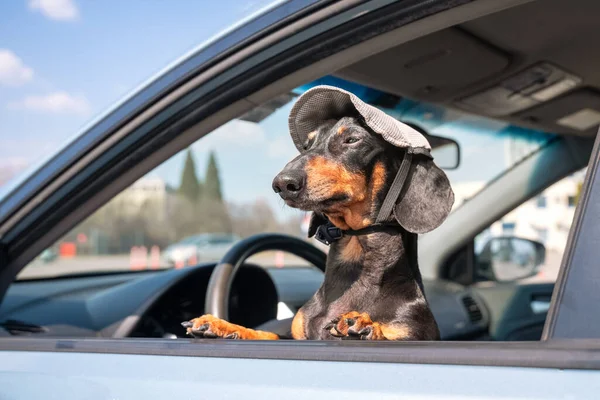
322 103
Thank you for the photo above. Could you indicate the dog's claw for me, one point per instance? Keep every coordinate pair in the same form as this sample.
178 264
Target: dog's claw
209 327
364 331
187 324
353 326
203 331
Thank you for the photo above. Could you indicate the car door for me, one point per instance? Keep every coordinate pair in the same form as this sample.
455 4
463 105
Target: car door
147 129
563 365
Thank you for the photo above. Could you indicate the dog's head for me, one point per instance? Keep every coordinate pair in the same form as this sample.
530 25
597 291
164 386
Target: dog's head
344 172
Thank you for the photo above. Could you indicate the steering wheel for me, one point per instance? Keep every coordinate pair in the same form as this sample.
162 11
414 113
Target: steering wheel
219 285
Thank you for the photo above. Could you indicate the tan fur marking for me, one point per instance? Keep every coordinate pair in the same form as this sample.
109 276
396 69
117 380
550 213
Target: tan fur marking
222 328
327 178
312 135
337 220
352 250
361 320
341 129
377 179
395 332
298 326
350 217
379 331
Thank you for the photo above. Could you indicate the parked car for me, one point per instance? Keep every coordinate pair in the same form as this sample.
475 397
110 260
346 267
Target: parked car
484 70
48 255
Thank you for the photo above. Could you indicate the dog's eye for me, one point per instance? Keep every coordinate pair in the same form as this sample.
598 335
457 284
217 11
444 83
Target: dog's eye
351 140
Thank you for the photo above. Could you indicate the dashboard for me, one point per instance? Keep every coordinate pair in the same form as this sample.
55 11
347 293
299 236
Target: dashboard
154 303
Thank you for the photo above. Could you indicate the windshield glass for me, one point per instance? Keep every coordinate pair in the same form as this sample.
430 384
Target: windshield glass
197 204
59 67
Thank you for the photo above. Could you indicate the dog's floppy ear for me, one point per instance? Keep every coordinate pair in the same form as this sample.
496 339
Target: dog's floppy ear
428 199
316 220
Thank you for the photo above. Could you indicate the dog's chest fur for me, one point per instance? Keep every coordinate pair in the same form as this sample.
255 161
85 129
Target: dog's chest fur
379 282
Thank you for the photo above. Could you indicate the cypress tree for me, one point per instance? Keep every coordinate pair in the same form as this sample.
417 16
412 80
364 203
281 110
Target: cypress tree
190 186
212 185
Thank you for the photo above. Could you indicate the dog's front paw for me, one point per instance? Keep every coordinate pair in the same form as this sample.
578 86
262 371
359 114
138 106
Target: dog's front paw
208 326
354 325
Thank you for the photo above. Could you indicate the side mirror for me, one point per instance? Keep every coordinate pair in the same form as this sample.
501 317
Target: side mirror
445 151
508 258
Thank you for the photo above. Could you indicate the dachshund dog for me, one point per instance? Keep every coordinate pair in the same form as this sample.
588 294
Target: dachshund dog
372 288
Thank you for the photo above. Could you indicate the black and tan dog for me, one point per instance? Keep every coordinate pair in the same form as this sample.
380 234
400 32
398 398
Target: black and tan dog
372 288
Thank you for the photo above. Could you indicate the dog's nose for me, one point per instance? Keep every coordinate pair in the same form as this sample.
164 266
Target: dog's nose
288 184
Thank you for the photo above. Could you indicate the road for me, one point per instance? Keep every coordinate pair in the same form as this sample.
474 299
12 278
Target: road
83 264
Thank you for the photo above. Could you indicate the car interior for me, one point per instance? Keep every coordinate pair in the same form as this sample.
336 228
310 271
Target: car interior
529 65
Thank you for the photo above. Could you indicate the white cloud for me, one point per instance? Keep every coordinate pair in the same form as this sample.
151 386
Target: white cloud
250 137
13 72
240 132
62 10
235 133
13 163
9 167
55 103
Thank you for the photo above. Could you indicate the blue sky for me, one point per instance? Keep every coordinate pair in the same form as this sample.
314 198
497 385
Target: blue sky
62 62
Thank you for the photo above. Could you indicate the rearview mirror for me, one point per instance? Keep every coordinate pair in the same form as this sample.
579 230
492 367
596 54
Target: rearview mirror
445 151
507 258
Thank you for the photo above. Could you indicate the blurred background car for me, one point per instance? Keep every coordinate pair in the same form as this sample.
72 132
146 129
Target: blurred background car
198 248
48 256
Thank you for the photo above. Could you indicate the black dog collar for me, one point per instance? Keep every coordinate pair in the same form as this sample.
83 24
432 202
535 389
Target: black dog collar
329 233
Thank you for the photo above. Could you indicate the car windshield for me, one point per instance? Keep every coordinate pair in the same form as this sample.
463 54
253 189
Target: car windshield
193 207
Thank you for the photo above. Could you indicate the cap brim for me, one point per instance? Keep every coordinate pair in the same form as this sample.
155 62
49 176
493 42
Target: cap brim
322 103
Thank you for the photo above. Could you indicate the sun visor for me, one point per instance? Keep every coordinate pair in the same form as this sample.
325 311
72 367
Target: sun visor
433 68
577 113
528 88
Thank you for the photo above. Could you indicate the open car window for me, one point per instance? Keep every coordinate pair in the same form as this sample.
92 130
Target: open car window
197 204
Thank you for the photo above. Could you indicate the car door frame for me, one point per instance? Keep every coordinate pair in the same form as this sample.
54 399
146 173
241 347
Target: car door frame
578 284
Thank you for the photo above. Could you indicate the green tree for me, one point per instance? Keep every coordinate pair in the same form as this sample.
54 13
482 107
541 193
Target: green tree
212 185
190 187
